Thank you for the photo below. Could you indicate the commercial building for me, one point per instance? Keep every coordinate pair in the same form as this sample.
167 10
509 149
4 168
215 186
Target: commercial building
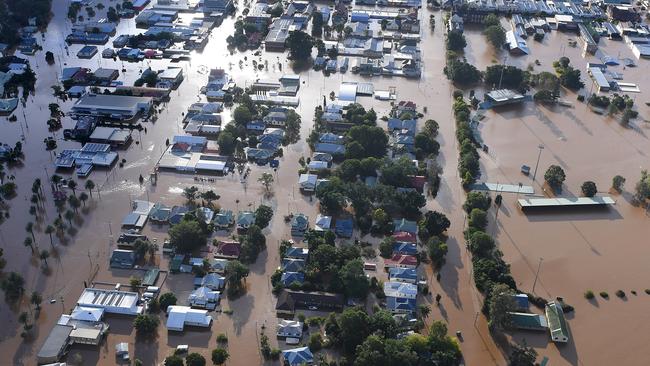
111 135
180 316
111 106
599 79
503 97
278 34
111 301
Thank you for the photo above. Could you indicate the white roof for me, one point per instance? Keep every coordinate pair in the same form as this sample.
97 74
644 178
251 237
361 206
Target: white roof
348 92
322 222
401 290
178 316
87 314
307 179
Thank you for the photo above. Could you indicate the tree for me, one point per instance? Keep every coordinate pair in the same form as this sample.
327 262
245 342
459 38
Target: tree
49 57
49 230
235 273
195 359
554 176
36 299
209 196
30 229
226 143
456 40
373 142
354 279
522 355
242 115
173 360
29 242
187 236
477 200
642 187
425 310
505 76
500 303
315 342
386 247
481 243
425 145
90 185
13 286
267 180
491 20
496 35
73 185
167 299
300 45
317 24
437 251
44 256
74 202
263 216
478 219
354 326
69 215
190 194
462 72
433 223
618 182
219 356
146 324
588 189
83 197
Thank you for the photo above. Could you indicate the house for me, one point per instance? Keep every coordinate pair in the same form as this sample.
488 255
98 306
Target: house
122 258
213 281
297 253
260 156
180 316
278 33
324 157
171 77
455 23
275 118
245 219
401 261
292 265
521 302
400 289
322 223
516 45
405 248
104 75
289 300
406 127
176 214
398 305
204 297
217 6
316 166
528 321
298 356
405 225
224 219
218 265
87 52
160 213
504 97
289 278
407 275
328 148
256 126
403 236
289 328
307 182
344 227
228 250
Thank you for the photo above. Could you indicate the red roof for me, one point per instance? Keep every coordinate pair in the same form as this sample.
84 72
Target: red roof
228 248
403 236
418 181
401 259
180 146
406 104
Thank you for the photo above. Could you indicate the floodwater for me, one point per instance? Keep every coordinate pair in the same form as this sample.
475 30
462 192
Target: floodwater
575 251
84 255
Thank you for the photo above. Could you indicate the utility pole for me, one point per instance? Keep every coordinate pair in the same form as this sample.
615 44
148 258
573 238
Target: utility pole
539 266
540 147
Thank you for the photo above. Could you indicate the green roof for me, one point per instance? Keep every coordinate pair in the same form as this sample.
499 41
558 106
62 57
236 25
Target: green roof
150 277
556 322
528 321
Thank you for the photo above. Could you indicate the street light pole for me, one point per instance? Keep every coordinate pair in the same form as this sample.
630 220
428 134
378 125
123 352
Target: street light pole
539 266
539 155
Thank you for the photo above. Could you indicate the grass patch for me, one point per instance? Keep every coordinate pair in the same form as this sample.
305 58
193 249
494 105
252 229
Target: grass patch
604 295
589 295
620 293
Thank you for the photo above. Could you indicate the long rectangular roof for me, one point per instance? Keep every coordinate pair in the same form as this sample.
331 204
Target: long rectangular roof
110 101
561 202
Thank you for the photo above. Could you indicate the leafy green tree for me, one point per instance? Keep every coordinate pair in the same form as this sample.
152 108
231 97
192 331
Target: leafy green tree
478 219
554 176
173 360
505 75
13 286
588 189
242 115
522 355
433 223
373 142
167 299
226 143
209 196
491 20
146 324
194 359
456 41
618 182
386 247
642 187
496 35
317 24
354 328
263 216
437 251
300 45
187 236
477 200
354 279
500 303
219 356
462 72
481 243
236 272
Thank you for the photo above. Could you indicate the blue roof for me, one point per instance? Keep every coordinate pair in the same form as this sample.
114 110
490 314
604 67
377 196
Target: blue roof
403 273
400 304
293 265
405 248
406 225
344 227
295 252
334 149
298 356
290 277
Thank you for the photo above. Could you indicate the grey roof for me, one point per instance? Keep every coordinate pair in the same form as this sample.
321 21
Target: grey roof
54 344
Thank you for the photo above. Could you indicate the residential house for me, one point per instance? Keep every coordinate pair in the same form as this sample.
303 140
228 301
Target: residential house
213 281
307 182
176 214
292 265
276 118
289 328
401 261
245 219
180 316
256 126
224 219
289 300
317 166
324 157
405 248
205 298
218 265
398 305
328 148
403 236
298 357
400 289
556 322
289 278
122 258
405 225
407 275
228 250
297 253
217 6
323 223
455 23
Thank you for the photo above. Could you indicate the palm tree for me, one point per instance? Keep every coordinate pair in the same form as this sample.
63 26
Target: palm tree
59 225
83 197
44 256
266 179
73 185
74 202
90 185
190 193
56 179
28 242
30 229
33 212
69 215
425 310
36 300
209 196
37 183
35 200
49 230
24 319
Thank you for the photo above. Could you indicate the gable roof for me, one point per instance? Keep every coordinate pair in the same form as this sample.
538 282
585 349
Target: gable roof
298 356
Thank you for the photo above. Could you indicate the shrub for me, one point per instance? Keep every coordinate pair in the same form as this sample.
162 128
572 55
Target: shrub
589 188
589 295
618 182
604 295
581 98
554 176
620 293
222 338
